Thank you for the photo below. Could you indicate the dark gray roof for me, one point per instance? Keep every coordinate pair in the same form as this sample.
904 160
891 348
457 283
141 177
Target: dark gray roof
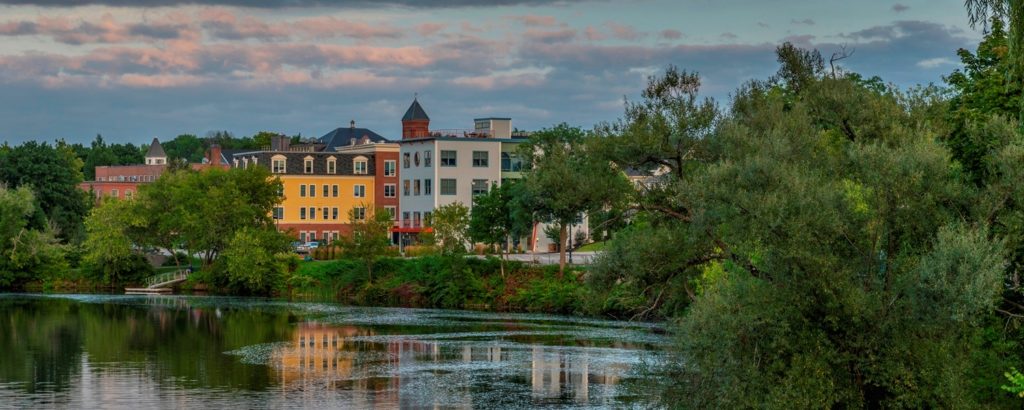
344 136
295 161
415 112
155 150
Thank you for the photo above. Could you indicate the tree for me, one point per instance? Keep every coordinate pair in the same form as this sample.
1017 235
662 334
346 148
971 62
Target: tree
255 259
831 252
26 254
110 251
981 11
450 225
53 173
982 90
186 146
496 221
370 236
564 179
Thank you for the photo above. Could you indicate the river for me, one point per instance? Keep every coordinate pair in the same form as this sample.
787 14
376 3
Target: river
115 351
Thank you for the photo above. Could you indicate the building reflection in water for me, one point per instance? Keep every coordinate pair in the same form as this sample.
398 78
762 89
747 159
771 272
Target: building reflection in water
412 373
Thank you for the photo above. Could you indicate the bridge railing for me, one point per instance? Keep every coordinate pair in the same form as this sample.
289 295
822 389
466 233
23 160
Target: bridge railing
166 277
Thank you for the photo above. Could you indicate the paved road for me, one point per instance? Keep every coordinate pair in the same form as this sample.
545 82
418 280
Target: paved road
578 258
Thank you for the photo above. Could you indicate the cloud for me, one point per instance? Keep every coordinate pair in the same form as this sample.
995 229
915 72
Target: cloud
593 34
899 8
624 32
728 36
670 34
533 20
549 36
429 29
935 62
804 22
763 25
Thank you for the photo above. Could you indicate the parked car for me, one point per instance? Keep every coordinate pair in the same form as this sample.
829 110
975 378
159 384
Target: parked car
312 245
300 247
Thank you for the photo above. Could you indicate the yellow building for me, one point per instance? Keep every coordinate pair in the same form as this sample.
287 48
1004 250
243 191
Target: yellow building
321 188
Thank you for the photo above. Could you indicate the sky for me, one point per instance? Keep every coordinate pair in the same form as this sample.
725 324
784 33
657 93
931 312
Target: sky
132 70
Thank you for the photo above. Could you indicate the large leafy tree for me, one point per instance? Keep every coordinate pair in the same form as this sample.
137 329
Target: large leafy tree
110 251
255 259
564 179
450 226
26 253
499 219
53 173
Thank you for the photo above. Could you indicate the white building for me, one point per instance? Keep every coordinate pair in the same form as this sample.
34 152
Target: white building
441 167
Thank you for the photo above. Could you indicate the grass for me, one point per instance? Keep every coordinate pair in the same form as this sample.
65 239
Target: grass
592 247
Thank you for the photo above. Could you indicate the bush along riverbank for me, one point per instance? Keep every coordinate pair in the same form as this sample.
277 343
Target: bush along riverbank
446 282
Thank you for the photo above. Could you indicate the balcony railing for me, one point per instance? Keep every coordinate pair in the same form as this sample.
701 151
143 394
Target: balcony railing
460 133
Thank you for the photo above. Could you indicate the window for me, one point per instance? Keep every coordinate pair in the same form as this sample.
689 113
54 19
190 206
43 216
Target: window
426 158
426 218
128 194
416 159
302 191
389 190
480 159
359 213
405 217
405 160
307 165
332 166
312 213
334 236
447 186
427 186
479 187
302 213
405 187
312 191
312 236
448 158
334 214
334 190
390 168
114 193
510 162
416 219
359 191
359 166
416 187
327 190
278 213
325 211
392 211
302 236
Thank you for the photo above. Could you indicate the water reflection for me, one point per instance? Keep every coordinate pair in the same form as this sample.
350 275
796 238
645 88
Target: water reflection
173 352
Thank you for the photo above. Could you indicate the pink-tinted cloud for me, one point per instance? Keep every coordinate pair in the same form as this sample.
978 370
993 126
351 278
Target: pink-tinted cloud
490 82
670 34
593 34
429 29
532 20
624 32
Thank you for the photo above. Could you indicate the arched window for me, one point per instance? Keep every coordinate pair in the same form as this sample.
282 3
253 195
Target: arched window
360 165
307 165
332 165
279 164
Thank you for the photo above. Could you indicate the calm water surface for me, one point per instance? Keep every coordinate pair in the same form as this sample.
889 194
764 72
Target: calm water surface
102 351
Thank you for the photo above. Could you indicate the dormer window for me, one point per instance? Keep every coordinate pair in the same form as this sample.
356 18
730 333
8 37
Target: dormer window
307 165
278 164
332 165
360 166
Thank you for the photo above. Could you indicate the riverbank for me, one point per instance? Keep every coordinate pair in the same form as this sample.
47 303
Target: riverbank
443 282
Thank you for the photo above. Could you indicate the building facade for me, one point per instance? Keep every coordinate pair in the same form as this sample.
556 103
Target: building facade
445 166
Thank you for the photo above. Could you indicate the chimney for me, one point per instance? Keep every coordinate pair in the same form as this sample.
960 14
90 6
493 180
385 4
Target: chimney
352 124
214 155
279 143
